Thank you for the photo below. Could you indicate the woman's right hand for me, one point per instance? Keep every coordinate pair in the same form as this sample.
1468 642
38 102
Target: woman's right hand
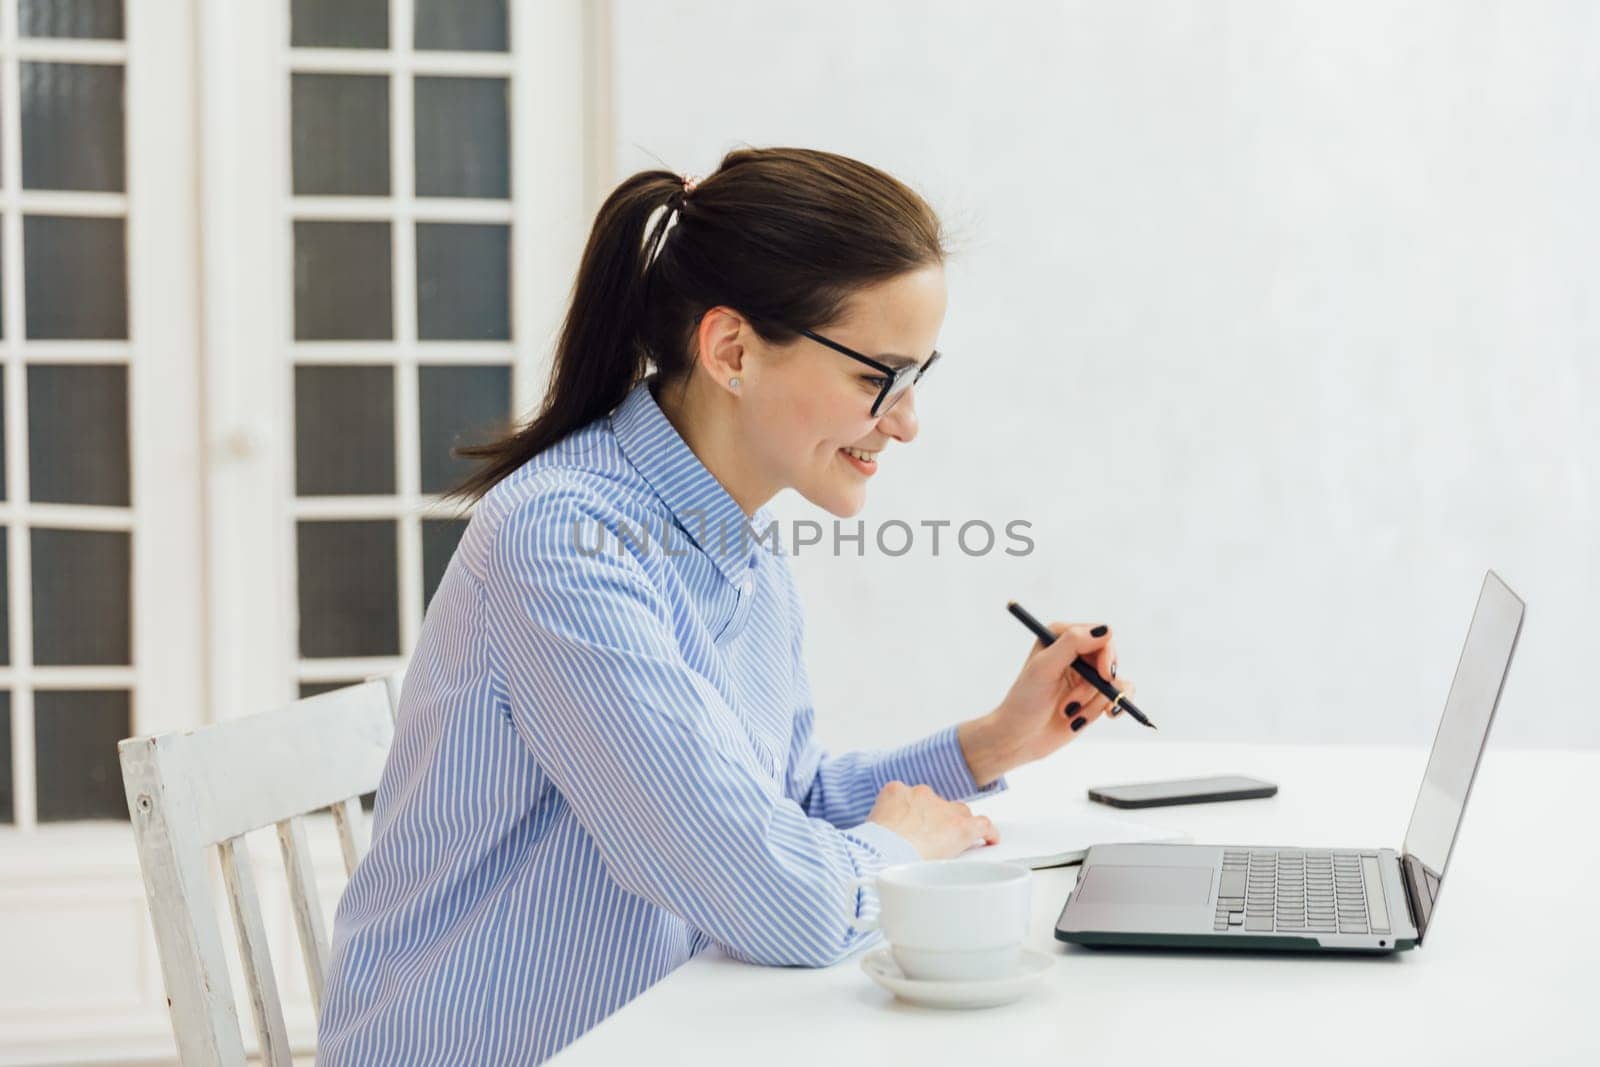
939 828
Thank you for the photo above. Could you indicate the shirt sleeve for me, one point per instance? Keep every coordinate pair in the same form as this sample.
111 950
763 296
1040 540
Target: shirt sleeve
650 757
842 789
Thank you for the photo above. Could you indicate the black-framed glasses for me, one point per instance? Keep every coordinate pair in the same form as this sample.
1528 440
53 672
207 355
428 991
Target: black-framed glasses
896 380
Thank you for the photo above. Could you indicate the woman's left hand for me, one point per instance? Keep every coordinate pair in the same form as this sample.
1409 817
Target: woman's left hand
1036 717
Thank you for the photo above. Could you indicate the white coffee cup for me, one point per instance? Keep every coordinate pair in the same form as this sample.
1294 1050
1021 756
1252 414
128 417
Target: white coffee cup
949 920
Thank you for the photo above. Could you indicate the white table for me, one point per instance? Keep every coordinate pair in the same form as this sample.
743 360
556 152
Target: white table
1510 973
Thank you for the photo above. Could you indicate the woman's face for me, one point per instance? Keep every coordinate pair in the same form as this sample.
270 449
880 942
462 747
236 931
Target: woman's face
803 403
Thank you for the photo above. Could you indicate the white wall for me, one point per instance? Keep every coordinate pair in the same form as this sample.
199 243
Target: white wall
1280 323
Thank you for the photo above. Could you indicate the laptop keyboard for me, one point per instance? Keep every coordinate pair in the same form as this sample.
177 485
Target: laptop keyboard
1300 891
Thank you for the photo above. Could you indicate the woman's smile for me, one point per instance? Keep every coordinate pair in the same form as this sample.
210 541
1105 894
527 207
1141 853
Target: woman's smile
861 460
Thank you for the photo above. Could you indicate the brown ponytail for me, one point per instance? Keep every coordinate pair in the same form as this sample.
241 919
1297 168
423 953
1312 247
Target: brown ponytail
783 235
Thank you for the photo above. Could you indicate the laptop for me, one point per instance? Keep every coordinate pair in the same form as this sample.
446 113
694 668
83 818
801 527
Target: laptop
1373 900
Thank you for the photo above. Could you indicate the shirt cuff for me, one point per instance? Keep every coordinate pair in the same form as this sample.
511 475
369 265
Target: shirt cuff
938 762
886 843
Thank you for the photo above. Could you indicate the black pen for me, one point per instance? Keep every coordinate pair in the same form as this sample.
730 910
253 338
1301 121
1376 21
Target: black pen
1079 664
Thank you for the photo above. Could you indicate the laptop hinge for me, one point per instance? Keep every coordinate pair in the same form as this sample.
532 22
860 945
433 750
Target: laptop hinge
1419 914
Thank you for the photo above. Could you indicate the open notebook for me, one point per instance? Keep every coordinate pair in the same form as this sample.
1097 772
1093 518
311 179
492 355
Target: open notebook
1057 840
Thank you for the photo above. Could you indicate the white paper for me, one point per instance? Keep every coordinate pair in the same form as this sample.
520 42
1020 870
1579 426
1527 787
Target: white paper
1053 841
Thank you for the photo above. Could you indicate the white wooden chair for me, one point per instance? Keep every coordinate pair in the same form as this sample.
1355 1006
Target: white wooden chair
188 791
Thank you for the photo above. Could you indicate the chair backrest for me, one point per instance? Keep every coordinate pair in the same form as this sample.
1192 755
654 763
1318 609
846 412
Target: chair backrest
191 790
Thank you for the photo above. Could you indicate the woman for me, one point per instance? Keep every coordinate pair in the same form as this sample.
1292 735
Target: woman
604 760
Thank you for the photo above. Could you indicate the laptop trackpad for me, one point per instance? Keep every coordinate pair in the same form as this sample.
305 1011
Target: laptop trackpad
1150 887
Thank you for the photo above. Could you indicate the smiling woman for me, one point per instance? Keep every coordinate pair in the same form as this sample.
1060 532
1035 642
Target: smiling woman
604 762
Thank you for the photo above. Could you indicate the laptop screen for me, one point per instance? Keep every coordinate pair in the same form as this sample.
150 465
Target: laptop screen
1462 732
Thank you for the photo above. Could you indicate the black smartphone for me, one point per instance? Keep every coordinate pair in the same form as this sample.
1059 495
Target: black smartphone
1182 791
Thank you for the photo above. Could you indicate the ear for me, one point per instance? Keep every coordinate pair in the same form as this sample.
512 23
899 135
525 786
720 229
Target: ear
720 339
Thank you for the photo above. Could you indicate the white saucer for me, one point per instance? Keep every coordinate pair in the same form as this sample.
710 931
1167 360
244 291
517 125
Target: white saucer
974 993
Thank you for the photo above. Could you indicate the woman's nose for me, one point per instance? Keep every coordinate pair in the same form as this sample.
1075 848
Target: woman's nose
900 422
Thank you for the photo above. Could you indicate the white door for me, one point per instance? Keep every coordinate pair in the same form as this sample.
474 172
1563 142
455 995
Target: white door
395 256
261 265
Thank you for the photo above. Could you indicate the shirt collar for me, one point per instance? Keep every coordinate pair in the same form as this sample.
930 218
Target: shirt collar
699 503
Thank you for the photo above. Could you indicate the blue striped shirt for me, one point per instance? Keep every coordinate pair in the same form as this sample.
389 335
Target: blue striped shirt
604 763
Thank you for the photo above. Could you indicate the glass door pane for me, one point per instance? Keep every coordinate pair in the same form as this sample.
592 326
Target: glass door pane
400 217
66 547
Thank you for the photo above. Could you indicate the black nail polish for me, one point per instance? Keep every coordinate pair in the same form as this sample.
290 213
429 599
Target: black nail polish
1077 724
1098 631
1072 708
1113 670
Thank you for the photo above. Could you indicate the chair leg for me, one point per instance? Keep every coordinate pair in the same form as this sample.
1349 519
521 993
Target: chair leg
177 885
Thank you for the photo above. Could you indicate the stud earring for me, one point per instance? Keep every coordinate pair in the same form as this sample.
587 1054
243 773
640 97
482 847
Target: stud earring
733 383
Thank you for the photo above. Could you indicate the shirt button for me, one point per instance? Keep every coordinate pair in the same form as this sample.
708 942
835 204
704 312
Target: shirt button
747 585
